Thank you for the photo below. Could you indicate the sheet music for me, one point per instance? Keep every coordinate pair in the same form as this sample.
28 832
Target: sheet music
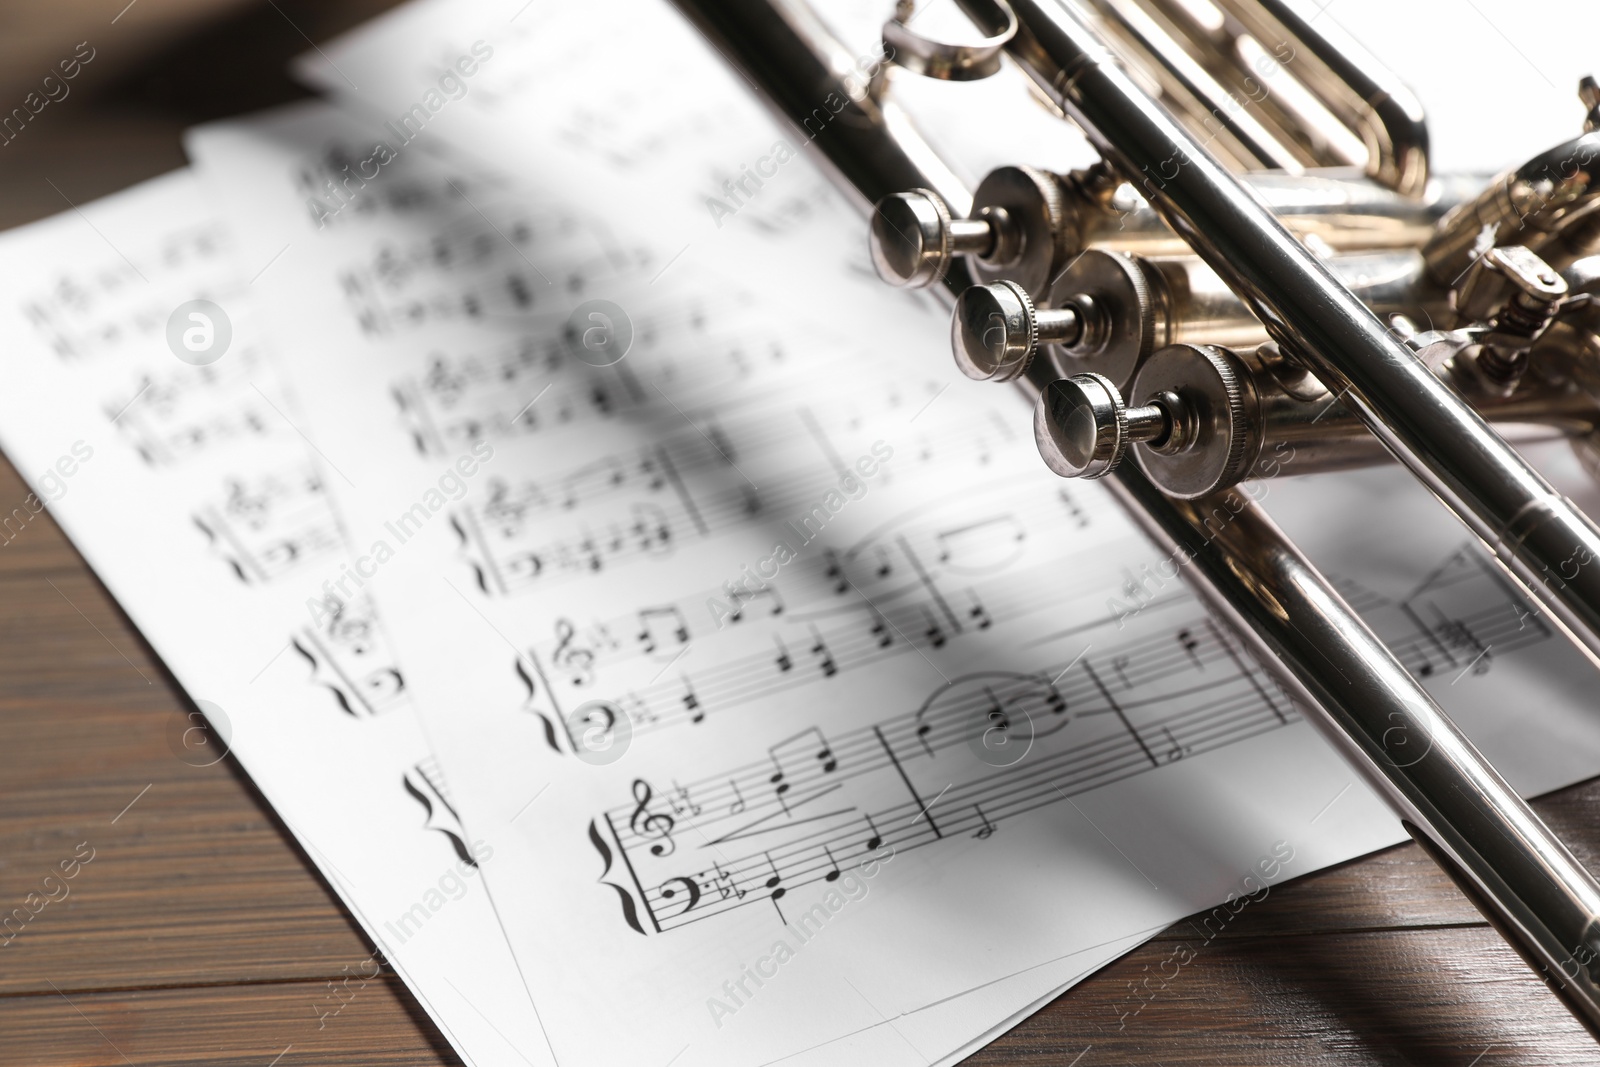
781 636
190 491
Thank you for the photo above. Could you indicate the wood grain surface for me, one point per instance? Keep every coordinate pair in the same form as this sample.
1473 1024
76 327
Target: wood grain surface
198 934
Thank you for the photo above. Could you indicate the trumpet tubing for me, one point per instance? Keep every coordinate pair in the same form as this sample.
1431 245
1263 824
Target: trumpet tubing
1211 305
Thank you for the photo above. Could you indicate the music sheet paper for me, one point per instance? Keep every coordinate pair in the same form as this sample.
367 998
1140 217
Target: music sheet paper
965 1022
190 492
794 696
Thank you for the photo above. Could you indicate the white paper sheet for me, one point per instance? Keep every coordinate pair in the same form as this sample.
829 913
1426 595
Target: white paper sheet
567 585
190 491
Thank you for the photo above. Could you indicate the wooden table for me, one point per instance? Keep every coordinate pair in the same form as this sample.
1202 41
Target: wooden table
198 933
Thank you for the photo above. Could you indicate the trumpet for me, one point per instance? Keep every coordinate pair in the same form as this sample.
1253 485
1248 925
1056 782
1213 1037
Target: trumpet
1232 285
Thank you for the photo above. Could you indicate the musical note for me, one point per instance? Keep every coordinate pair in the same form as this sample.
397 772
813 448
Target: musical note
825 661
998 720
604 472
823 754
876 840
752 501
783 661
723 445
1189 643
987 545
646 823
691 703
987 829
656 623
1177 751
681 801
833 866
737 807
1119 663
777 890
650 526
978 613
834 572
741 594
1079 516
880 628
934 633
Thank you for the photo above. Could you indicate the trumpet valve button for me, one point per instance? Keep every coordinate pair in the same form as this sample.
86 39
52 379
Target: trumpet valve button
910 239
1081 426
994 332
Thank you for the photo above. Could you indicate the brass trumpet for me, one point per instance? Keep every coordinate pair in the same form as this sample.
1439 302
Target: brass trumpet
1232 282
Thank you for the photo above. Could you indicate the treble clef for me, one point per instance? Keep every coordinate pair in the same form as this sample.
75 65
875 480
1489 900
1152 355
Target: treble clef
646 823
571 657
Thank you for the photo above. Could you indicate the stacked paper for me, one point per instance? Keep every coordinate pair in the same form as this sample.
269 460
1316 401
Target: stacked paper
661 650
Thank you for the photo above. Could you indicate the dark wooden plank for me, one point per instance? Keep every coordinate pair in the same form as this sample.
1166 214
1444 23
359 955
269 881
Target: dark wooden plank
226 1026
1439 996
194 882
30 541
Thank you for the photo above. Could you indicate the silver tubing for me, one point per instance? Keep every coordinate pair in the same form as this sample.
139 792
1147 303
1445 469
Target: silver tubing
1358 90
1496 848
1544 542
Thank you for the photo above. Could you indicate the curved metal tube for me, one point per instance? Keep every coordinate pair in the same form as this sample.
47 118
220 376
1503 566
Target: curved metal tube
1547 205
1345 214
1505 858
1450 799
1361 93
1359 113
1534 531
